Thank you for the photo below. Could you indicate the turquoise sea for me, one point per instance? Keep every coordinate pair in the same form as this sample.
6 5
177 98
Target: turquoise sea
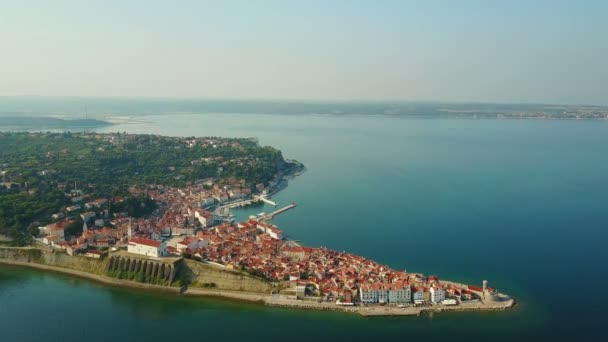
523 204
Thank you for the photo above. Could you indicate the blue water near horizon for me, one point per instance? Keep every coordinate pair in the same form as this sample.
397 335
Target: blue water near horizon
519 203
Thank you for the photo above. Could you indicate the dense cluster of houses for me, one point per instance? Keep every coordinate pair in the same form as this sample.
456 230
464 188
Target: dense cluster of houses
101 229
255 246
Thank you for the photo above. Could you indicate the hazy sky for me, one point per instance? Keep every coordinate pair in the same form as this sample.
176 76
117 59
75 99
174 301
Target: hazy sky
529 51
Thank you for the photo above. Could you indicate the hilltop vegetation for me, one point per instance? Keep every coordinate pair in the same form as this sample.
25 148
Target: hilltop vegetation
39 169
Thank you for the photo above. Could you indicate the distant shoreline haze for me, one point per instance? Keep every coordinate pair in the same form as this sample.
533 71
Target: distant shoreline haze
91 107
20 122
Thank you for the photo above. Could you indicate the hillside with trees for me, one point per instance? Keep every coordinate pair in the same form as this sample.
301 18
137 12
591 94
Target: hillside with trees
38 170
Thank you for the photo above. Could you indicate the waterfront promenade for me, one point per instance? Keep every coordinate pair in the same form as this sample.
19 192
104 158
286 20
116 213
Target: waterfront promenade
266 299
379 310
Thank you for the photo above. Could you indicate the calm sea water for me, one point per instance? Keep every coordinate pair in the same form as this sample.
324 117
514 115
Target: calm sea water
523 204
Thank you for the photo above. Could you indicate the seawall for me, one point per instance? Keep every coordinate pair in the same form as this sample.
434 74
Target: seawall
43 257
202 275
226 283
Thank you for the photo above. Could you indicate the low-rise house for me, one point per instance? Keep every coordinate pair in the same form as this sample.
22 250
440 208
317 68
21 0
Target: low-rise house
235 194
466 295
56 230
206 202
271 230
101 242
87 216
147 247
453 292
173 251
71 250
62 245
293 252
179 230
476 291
72 208
96 203
204 217
93 253
191 243
57 216
156 235
50 240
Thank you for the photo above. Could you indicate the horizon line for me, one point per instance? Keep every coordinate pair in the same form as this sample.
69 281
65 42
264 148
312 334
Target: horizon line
301 100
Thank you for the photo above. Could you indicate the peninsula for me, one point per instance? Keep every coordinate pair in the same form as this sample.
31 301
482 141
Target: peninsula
153 212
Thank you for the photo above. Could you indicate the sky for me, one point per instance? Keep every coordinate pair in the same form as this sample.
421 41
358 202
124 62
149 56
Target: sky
483 51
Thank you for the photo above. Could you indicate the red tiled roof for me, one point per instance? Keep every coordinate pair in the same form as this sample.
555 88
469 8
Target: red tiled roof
145 241
475 288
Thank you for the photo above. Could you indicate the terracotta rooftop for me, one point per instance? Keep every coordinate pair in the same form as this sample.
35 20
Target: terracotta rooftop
144 241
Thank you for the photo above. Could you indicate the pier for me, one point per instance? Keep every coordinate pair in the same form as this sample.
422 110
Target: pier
277 212
240 203
246 202
265 200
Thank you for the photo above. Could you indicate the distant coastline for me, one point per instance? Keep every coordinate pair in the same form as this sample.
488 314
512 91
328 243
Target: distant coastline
131 108
48 122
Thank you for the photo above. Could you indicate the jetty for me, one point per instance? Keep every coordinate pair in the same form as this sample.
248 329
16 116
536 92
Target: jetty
277 212
265 200
239 203
246 202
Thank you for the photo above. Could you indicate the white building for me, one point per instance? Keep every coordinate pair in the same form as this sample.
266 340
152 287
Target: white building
72 208
204 217
437 294
386 293
147 247
57 216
